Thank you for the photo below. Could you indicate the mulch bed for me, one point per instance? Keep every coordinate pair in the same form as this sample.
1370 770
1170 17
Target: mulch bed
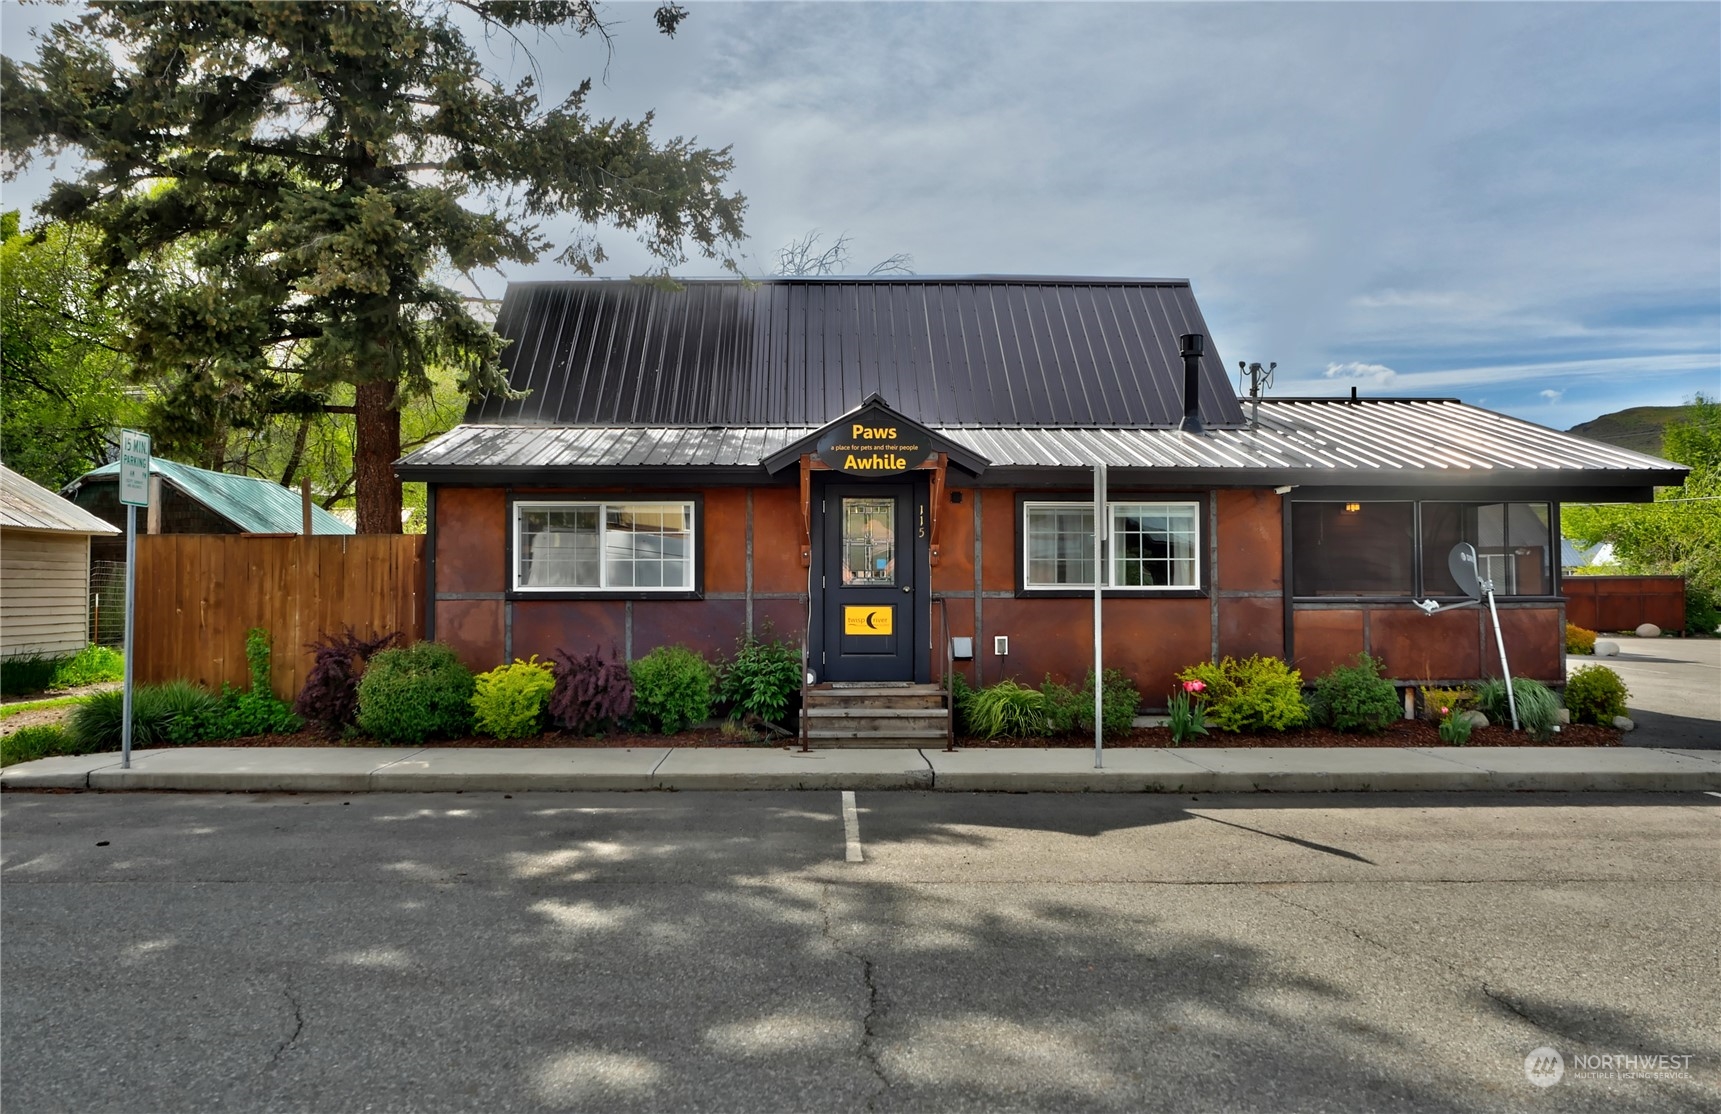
1403 733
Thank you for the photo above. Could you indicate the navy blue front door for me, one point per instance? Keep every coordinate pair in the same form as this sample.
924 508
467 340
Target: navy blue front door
872 582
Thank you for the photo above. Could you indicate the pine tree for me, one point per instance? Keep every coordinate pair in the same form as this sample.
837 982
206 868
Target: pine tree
282 189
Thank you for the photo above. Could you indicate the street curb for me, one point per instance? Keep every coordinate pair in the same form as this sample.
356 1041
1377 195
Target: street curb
1050 770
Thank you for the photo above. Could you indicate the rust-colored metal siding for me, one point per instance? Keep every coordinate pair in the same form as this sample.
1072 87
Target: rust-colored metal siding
1624 603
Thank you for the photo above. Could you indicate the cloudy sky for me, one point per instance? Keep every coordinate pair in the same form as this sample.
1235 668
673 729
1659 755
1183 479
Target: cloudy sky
1519 205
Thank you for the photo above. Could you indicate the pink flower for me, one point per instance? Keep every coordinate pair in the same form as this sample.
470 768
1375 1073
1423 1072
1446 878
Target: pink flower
1194 686
1443 711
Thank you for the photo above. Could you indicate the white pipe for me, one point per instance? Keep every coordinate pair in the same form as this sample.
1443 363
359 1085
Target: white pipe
1511 697
1099 581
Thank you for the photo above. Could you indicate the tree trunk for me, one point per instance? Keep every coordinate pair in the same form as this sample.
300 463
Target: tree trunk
376 446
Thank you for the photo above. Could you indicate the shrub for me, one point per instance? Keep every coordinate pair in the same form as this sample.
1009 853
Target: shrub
508 701
1007 709
1538 706
243 714
409 695
330 697
671 688
1064 707
1579 640
27 673
160 714
93 665
1702 610
590 690
1355 697
1596 694
30 743
1457 700
1251 694
1118 703
761 678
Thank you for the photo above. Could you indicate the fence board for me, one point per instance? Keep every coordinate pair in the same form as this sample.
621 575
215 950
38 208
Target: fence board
1622 603
199 593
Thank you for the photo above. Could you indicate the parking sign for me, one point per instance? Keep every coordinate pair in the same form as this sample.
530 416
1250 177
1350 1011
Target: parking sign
134 468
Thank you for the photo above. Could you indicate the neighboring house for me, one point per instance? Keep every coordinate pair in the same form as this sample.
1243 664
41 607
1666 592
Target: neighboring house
187 500
44 569
877 465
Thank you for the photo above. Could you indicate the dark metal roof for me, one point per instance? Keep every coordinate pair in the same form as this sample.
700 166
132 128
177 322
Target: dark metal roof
1304 441
989 351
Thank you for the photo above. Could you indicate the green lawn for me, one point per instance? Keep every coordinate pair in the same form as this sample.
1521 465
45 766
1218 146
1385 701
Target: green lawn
32 705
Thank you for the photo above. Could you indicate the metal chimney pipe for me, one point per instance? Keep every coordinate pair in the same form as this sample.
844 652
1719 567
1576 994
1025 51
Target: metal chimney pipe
1191 345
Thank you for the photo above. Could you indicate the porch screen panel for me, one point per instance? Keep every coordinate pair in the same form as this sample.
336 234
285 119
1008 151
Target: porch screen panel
1514 546
1353 549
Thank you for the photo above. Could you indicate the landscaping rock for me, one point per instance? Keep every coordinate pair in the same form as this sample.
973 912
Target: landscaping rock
1474 719
1607 649
1563 716
1623 723
1649 630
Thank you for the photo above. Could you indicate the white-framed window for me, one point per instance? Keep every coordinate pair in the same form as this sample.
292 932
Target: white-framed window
1153 546
603 547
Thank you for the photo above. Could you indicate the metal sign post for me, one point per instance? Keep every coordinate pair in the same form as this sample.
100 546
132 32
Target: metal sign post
134 493
1099 582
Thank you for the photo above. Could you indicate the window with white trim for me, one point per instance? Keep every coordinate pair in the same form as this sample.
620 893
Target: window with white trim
1154 546
598 547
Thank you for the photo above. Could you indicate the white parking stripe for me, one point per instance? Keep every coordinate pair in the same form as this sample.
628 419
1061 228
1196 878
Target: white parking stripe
851 826
1713 794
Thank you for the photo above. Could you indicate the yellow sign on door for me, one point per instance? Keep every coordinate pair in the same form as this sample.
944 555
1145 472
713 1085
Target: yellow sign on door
868 620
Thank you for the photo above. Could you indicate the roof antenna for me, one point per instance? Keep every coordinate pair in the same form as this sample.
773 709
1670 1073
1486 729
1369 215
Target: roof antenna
1258 381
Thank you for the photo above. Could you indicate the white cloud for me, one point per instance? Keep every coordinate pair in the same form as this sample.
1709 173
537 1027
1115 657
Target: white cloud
1378 374
1552 395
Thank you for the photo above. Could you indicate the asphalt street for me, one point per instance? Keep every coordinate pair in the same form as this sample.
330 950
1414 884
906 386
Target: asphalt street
689 951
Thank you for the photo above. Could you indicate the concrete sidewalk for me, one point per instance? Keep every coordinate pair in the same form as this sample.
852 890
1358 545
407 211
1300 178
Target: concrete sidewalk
1195 770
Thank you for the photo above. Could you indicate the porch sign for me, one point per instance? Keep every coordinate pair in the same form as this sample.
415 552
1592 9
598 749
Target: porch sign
134 493
873 444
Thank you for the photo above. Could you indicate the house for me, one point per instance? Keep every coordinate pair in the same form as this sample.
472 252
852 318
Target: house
894 470
44 569
188 500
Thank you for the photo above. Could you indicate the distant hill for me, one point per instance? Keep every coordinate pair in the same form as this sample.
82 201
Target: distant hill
1638 429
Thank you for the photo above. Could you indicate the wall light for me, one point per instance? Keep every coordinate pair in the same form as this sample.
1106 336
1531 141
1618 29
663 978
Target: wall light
1352 508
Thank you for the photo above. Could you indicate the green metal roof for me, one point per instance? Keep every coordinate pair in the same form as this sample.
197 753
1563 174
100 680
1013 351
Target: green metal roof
256 506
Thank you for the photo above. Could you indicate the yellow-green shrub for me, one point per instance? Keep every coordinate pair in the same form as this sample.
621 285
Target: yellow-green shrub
1251 694
508 701
1579 640
1595 694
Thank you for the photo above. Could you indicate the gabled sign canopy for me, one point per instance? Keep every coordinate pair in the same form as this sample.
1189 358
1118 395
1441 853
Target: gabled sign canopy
875 440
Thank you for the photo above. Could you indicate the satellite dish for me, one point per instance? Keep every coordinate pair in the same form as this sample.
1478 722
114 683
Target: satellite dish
1462 564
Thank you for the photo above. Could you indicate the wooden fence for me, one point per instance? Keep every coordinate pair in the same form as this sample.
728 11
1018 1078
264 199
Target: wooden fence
197 595
1623 603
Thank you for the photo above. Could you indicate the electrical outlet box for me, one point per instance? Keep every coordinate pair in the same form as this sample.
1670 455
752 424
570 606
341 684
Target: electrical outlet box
962 649
1001 645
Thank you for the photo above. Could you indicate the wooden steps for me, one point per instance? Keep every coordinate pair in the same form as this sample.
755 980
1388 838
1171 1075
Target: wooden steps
877 715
